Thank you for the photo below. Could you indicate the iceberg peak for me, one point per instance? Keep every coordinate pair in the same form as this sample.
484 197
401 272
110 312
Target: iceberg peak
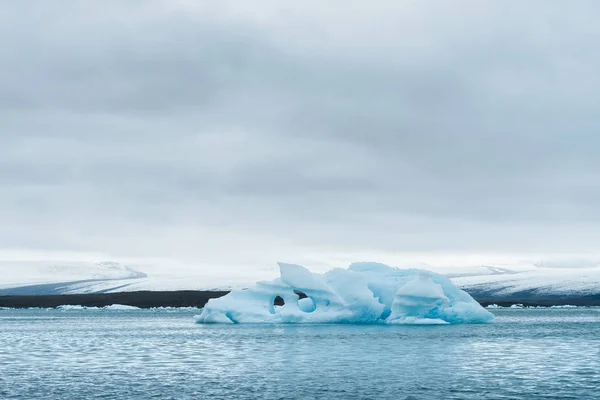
365 293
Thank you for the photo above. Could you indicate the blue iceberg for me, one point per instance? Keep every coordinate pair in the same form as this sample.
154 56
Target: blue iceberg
365 293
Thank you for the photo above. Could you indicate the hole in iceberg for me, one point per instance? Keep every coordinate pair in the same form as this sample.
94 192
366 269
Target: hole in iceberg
278 301
300 294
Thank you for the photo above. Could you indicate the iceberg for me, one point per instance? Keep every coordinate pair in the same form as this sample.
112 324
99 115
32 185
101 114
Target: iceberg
365 293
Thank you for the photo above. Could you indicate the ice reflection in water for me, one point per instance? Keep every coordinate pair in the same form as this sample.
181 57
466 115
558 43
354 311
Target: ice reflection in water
90 354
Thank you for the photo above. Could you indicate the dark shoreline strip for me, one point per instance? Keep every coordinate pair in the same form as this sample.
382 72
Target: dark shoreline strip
144 299
193 298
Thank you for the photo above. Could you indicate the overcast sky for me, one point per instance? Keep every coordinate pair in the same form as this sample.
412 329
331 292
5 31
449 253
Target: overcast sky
243 133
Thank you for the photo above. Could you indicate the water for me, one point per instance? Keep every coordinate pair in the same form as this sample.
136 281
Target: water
532 354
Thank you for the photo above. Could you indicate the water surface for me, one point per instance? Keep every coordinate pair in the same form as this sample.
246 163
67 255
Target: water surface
533 354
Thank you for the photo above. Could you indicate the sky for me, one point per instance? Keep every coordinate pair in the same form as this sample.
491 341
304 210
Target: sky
234 134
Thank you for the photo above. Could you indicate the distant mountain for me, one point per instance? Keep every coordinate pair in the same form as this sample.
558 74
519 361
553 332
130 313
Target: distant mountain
489 282
45 278
38 277
538 282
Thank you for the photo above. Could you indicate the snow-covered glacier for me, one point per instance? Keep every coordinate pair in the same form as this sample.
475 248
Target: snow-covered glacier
365 293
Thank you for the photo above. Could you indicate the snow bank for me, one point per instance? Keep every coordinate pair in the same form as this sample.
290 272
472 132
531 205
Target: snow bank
120 307
113 307
521 306
174 309
365 293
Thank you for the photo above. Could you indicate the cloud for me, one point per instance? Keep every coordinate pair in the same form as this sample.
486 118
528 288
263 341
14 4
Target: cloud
222 132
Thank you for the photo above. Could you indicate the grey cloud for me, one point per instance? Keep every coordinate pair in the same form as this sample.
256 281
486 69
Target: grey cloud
124 122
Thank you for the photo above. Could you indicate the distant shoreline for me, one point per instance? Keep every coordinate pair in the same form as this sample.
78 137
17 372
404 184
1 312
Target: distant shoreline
142 299
198 298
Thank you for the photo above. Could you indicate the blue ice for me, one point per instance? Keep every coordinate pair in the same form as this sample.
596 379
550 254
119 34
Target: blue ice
365 293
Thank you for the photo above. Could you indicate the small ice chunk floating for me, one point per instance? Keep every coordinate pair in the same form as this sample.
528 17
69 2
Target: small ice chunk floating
365 293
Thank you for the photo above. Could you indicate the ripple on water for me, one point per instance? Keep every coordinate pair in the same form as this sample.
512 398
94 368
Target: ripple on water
524 354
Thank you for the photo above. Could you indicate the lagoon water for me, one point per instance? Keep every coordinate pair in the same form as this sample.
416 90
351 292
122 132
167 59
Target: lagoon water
100 354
